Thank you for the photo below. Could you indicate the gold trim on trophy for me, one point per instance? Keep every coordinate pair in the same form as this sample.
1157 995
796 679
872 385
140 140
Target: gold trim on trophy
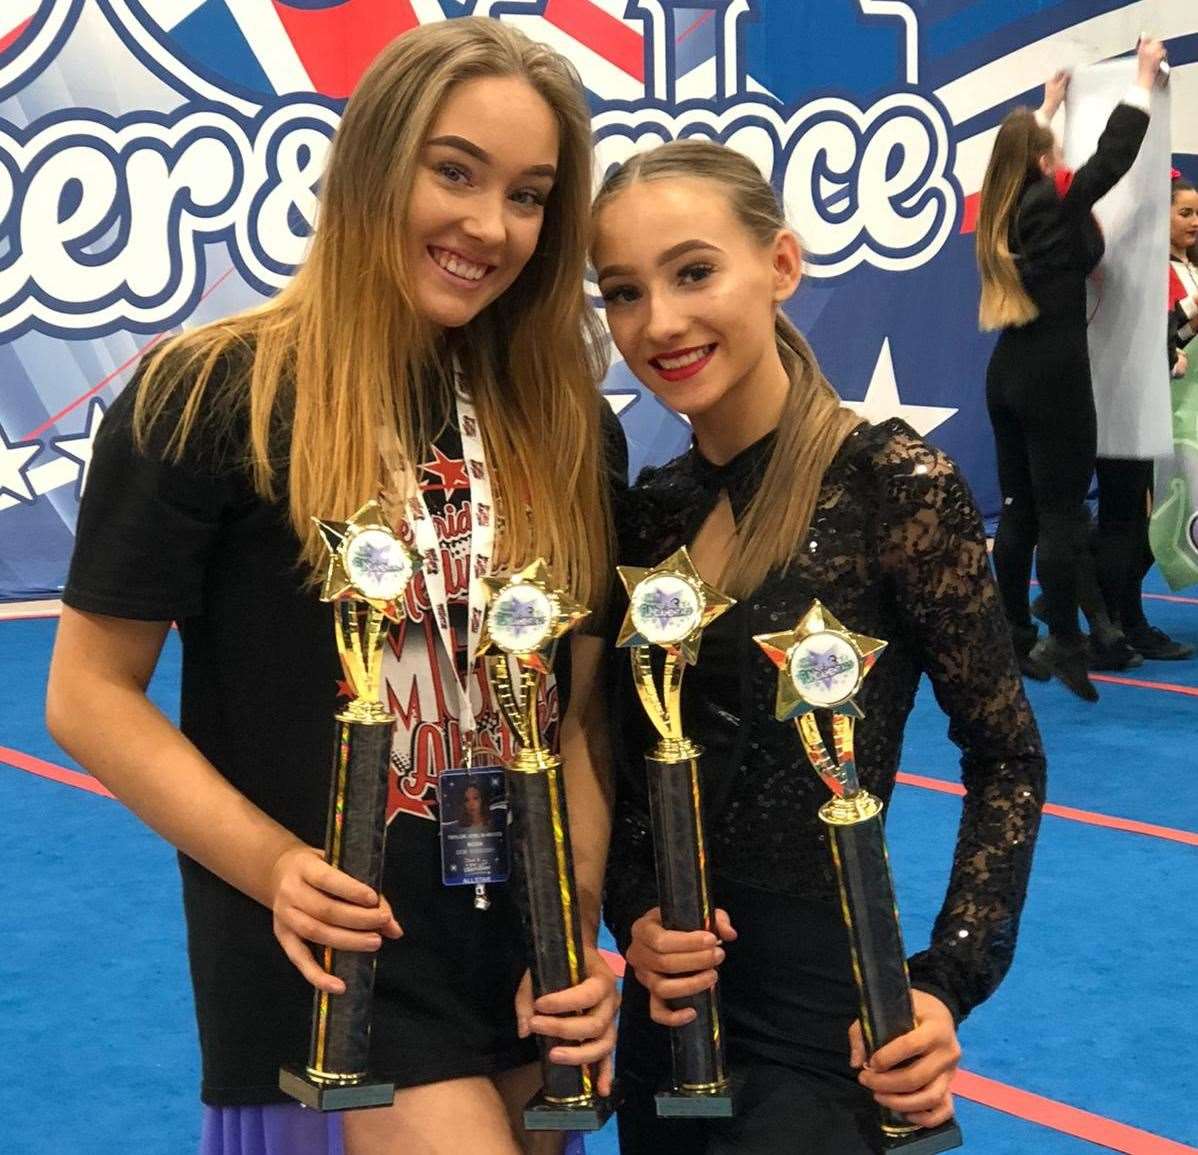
821 666
669 605
527 615
367 572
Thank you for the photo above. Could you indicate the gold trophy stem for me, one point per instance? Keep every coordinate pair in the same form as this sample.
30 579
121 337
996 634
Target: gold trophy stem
664 707
361 636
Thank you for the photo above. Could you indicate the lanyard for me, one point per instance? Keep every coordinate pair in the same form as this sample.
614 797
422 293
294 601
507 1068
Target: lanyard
482 541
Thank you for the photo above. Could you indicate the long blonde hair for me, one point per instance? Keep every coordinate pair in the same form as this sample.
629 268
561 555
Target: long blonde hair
342 350
1020 144
813 424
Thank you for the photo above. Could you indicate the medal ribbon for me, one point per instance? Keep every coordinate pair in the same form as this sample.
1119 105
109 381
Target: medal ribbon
482 544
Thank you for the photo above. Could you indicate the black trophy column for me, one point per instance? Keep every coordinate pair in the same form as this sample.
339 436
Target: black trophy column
336 1075
684 893
546 867
871 915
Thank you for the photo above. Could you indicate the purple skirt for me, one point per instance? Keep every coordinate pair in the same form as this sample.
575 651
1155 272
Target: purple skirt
285 1129
275 1129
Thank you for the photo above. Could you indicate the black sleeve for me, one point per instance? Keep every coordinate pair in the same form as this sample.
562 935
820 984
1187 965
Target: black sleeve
630 888
933 546
147 524
1118 147
1182 329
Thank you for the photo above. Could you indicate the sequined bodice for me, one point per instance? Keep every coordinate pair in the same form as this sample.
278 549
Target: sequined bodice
897 551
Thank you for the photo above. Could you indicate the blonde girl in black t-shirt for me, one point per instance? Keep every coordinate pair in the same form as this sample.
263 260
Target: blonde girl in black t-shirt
452 229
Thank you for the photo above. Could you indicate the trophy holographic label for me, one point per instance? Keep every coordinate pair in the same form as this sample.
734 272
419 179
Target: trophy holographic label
367 571
821 667
527 616
669 605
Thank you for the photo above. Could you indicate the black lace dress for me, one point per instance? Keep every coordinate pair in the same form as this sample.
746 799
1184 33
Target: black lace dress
896 551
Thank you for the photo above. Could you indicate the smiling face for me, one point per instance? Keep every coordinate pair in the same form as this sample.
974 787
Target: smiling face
1183 223
692 294
472 804
478 196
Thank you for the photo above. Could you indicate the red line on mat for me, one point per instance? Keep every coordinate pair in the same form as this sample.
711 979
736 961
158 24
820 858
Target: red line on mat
43 769
1089 817
1037 1109
51 421
988 1092
1181 598
1061 1117
1168 687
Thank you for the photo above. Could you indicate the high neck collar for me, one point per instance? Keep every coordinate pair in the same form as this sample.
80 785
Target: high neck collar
740 476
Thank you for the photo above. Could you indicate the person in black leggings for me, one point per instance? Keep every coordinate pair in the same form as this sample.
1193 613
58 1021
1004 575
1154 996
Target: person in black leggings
1036 243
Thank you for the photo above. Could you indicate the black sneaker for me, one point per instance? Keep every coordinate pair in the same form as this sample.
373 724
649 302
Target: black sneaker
1113 653
1067 661
1157 645
1024 638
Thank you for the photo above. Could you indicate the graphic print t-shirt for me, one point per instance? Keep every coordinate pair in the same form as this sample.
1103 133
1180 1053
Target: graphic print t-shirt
421 684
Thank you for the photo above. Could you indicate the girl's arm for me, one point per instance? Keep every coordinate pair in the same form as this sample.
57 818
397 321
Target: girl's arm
147 526
97 710
933 547
1119 144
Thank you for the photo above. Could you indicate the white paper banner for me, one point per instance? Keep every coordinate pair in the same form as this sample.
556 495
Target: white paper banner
1128 301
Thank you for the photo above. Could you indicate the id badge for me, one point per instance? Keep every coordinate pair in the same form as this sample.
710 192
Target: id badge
474 826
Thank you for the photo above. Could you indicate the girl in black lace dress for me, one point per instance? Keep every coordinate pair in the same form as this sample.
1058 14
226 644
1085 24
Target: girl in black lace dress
784 497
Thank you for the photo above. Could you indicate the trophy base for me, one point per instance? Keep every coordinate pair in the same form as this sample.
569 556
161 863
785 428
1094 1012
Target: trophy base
925 1142
673 1103
324 1096
541 1114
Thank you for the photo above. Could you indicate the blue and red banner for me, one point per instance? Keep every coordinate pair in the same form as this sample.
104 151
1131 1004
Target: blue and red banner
158 161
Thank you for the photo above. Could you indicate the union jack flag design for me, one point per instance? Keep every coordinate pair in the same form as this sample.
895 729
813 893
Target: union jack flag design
16 19
261 50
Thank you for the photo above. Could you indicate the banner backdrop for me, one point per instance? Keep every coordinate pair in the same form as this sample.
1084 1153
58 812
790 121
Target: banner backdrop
159 161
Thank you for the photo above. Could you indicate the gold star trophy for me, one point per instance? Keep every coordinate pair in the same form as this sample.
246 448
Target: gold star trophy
527 616
367 571
821 666
669 606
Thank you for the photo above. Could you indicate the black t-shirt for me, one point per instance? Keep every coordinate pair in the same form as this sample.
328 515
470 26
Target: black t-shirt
192 542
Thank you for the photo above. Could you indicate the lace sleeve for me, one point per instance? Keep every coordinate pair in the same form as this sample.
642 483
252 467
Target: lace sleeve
934 550
630 886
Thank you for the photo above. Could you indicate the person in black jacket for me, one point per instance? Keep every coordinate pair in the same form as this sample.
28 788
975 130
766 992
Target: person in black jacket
1036 244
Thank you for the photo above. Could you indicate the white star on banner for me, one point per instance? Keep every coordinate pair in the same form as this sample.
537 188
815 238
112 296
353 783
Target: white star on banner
81 446
882 400
621 401
14 466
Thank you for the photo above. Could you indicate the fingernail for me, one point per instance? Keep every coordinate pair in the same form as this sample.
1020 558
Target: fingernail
719 955
376 941
711 940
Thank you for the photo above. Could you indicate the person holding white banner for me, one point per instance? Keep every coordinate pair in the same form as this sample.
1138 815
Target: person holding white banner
1037 242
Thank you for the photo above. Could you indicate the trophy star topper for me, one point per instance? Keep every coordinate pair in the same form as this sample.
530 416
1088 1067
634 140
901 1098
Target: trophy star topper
527 613
669 605
366 561
821 664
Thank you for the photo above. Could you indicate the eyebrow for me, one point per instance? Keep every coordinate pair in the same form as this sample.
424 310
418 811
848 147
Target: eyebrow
671 254
479 154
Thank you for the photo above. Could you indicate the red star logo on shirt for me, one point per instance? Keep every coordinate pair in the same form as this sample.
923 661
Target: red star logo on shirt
452 474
